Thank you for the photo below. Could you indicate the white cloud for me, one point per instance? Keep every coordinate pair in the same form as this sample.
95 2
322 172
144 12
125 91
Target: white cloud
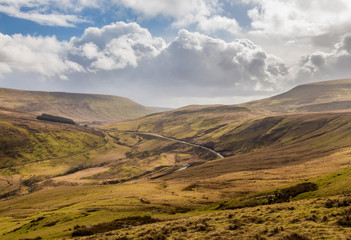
200 66
41 55
39 11
193 67
325 65
117 46
291 29
299 18
203 14
174 8
218 23
114 46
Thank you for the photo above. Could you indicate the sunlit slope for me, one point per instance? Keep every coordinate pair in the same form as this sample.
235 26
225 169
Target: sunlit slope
314 97
188 122
242 128
326 185
317 208
309 143
79 107
25 139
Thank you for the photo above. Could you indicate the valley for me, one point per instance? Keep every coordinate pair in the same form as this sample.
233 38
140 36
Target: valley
268 169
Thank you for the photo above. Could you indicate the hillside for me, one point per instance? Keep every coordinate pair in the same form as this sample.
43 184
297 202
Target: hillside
79 107
29 147
278 174
321 212
208 124
26 139
314 97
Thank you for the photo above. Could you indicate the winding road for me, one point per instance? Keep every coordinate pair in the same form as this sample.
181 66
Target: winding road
179 141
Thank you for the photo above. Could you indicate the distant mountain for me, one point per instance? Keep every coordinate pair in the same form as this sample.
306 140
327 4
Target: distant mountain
314 97
161 109
239 128
77 106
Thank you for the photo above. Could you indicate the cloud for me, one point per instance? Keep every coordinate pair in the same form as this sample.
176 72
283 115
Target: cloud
45 56
195 65
299 18
320 66
127 57
41 11
321 20
203 14
116 46
219 23
174 8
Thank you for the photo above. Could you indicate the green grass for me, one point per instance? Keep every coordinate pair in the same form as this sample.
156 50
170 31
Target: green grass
328 185
268 154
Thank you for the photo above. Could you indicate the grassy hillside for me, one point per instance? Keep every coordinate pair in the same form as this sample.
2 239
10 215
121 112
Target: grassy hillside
321 212
26 139
30 148
263 152
246 127
314 97
188 122
285 173
79 107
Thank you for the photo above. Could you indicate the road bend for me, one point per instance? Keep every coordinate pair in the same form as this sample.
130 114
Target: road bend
179 141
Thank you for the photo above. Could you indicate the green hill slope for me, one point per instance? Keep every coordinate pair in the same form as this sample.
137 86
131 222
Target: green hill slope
25 139
79 107
270 147
220 126
314 97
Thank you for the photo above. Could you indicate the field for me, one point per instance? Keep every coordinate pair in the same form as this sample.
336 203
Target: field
284 175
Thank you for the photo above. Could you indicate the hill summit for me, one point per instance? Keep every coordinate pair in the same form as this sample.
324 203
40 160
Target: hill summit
79 107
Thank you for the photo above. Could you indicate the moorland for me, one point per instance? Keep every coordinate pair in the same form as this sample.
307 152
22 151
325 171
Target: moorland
277 168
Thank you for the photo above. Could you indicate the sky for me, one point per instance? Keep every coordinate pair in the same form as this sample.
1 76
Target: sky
172 53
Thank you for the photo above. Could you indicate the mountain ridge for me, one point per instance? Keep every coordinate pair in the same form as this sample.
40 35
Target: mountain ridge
81 107
312 97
